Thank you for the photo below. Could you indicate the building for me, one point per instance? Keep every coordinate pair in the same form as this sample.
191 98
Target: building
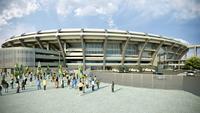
95 48
193 50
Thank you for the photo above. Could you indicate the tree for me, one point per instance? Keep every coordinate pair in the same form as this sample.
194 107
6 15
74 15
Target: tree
16 70
192 63
80 71
39 70
48 70
60 71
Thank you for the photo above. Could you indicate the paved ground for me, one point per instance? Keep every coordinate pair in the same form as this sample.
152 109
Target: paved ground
124 100
180 82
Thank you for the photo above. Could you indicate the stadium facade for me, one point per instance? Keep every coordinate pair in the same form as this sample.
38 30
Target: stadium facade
96 48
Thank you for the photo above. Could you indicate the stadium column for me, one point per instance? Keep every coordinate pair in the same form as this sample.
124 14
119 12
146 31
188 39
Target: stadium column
176 54
61 47
39 42
48 46
141 51
156 52
104 50
195 50
183 52
83 47
170 49
22 42
65 46
124 49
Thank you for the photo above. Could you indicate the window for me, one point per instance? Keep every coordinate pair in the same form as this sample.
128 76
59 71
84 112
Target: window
113 49
94 48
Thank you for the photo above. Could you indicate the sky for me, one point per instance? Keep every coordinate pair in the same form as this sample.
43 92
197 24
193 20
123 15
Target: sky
177 19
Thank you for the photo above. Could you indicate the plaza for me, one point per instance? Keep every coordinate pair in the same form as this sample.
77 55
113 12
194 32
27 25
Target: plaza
124 99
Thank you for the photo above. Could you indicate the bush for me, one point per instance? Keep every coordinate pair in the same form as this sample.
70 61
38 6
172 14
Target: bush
123 69
192 63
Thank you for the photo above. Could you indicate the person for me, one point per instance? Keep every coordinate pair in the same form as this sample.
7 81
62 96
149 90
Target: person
84 87
90 80
92 84
5 84
0 90
57 82
44 82
62 83
87 83
74 82
18 86
112 88
68 80
25 80
95 78
23 85
31 79
38 84
97 83
80 86
12 82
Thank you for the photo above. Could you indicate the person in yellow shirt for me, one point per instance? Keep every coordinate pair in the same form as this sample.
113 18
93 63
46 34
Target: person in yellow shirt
44 82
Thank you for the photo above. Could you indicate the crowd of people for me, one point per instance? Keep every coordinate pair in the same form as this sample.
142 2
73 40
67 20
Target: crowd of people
68 80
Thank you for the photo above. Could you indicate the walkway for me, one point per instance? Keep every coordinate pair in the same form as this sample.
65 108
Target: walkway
124 100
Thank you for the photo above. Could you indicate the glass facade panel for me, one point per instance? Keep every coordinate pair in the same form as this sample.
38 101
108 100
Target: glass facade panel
132 49
9 57
75 45
170 56
147 54
151 46
94 48
113 49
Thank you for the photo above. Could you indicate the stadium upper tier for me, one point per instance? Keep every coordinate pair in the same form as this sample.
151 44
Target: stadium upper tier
102 47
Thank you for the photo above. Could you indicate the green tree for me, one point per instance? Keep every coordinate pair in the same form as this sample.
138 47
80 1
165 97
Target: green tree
60 71
16 70
193 63
48 70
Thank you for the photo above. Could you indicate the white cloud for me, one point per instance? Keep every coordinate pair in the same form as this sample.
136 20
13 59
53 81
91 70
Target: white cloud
179 9
86 8
17 9
10 31
89 8
111 23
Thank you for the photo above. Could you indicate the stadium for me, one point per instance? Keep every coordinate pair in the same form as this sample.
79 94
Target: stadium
99 49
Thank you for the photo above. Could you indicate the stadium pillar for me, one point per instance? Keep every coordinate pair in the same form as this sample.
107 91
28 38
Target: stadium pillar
176 54
39 42
141 52
48 46
104 50
61 47
124 49
182 53
195 50
156 52
83 47
22 42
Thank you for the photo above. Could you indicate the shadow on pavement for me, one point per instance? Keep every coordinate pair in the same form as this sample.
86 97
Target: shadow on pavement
117 90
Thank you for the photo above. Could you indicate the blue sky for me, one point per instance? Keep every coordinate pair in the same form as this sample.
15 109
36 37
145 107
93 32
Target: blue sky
178 19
